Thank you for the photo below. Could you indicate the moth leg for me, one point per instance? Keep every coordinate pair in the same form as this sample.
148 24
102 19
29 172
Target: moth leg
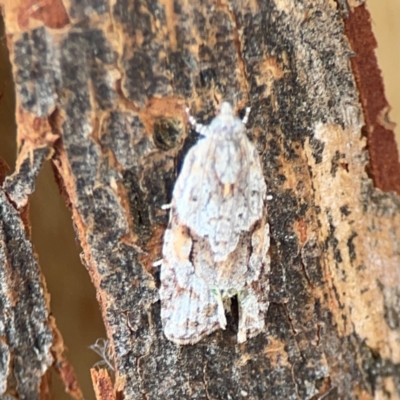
221 309
251 314
166 206
157 263
199 128
246 116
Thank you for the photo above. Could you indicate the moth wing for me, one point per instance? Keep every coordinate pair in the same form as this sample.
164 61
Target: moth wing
252 185
233 210
194 188
220 191
189 310
253 299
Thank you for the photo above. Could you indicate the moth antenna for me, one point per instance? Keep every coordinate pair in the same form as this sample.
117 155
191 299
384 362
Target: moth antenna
246 116
199 128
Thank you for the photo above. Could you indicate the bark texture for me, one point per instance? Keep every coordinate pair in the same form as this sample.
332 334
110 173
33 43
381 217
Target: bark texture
103 85
30 342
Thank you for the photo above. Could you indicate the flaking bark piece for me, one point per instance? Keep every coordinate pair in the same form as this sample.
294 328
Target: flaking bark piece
26 327
21 184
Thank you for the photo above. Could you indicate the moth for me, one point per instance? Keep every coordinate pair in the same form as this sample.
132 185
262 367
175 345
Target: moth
216 244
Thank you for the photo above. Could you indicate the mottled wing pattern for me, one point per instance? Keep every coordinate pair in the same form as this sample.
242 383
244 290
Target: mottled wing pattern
217 241
189 310
220 191
253 297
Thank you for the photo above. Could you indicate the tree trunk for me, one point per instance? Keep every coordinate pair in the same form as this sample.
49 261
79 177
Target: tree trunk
102 87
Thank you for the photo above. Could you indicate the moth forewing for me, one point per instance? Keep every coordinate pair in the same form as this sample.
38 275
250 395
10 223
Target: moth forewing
217 240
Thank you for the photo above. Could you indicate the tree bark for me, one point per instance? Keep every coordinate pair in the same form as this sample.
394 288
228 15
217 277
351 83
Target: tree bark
102 86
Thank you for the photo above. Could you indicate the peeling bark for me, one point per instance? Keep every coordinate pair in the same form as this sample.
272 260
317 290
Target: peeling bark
102 384
30 343
112 80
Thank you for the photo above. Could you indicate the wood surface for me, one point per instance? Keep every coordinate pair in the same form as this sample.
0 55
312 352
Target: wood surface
101 88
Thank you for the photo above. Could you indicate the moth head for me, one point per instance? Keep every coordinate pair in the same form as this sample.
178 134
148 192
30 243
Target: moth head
225 124
226 110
